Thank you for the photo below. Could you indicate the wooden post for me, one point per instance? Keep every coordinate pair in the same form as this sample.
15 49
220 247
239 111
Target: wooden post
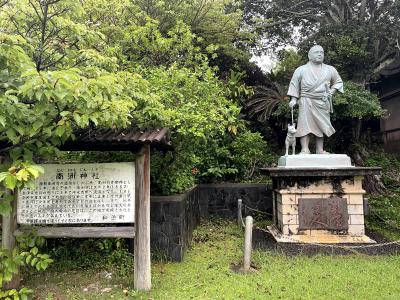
142 272
9 225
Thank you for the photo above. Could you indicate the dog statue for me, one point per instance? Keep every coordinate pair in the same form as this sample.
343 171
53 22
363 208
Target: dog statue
291 139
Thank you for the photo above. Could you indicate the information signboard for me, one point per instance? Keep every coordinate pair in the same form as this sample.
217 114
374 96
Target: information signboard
79 194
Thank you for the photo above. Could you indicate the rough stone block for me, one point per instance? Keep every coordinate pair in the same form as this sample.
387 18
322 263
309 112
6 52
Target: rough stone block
325 186
288 199
352 186
319 187
335 195
157 212
173 219
159 240
290 229
322 187
356 219
289 219
356 199
321 183
176 252
307 195
279 211
278 198
289 209
355 209
356 230
279 218
358 182
319 232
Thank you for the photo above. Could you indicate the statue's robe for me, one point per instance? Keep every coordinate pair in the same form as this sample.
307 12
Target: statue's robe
309 89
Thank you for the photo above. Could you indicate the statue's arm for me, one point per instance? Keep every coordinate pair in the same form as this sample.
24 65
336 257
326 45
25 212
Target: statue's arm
293 102
294 87
336 82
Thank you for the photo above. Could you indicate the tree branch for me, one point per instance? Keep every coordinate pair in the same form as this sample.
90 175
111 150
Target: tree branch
36 10
283 21
57 13
363 8
53 63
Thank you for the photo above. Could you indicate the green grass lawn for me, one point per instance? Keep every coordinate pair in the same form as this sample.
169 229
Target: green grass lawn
206 274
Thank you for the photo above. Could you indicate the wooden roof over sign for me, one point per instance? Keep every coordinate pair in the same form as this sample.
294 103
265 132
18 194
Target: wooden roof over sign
129 139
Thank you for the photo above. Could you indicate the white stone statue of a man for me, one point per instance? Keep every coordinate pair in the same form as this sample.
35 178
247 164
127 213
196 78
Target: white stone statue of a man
312 87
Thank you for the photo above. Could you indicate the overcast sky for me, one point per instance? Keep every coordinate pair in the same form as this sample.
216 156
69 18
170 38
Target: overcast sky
265 62
268 61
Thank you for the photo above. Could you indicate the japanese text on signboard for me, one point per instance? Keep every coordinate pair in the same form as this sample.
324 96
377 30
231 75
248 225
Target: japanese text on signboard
80 193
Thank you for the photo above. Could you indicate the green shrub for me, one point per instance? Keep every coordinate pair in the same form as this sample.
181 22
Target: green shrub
249 153
92 253
390 167
385 208
227 157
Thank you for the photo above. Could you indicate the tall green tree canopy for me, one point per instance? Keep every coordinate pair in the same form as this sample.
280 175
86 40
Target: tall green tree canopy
114 63
358 34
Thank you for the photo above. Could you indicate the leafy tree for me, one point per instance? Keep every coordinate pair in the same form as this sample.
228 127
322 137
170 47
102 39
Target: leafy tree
41 110
71 65
354 108
25 255
50 28
199 113
146 73
359 33
215 22
250 153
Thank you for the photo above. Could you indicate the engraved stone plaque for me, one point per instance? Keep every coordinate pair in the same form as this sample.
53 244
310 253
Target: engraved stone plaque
323 213
80 193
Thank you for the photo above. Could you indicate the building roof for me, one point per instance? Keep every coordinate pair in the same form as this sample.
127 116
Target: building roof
130 139
392 67
386 79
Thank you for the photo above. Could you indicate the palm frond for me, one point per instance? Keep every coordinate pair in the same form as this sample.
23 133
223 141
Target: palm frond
264 101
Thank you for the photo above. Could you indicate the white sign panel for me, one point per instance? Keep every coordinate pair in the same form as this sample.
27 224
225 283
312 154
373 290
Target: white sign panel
80 193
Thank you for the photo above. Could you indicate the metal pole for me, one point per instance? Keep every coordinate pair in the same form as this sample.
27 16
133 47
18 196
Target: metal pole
239 213
247 243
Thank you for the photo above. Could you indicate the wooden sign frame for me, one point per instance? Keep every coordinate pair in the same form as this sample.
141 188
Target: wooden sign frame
140 232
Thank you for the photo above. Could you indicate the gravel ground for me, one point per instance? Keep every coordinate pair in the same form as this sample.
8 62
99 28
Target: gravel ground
265 241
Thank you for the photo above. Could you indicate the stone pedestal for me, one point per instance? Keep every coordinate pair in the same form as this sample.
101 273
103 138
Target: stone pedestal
315 161
318 204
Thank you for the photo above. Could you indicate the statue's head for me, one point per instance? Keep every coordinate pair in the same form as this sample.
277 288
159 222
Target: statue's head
316 54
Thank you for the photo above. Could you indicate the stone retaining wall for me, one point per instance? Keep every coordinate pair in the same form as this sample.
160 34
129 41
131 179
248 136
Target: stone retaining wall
173 218
221 199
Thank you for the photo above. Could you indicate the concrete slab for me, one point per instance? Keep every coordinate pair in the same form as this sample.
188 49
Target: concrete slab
315 161
322 238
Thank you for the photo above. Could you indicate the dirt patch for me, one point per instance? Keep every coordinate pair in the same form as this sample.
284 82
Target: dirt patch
87 283
238 268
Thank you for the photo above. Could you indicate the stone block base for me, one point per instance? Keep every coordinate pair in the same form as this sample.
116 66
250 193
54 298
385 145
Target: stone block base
320 205
314 161
319 238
